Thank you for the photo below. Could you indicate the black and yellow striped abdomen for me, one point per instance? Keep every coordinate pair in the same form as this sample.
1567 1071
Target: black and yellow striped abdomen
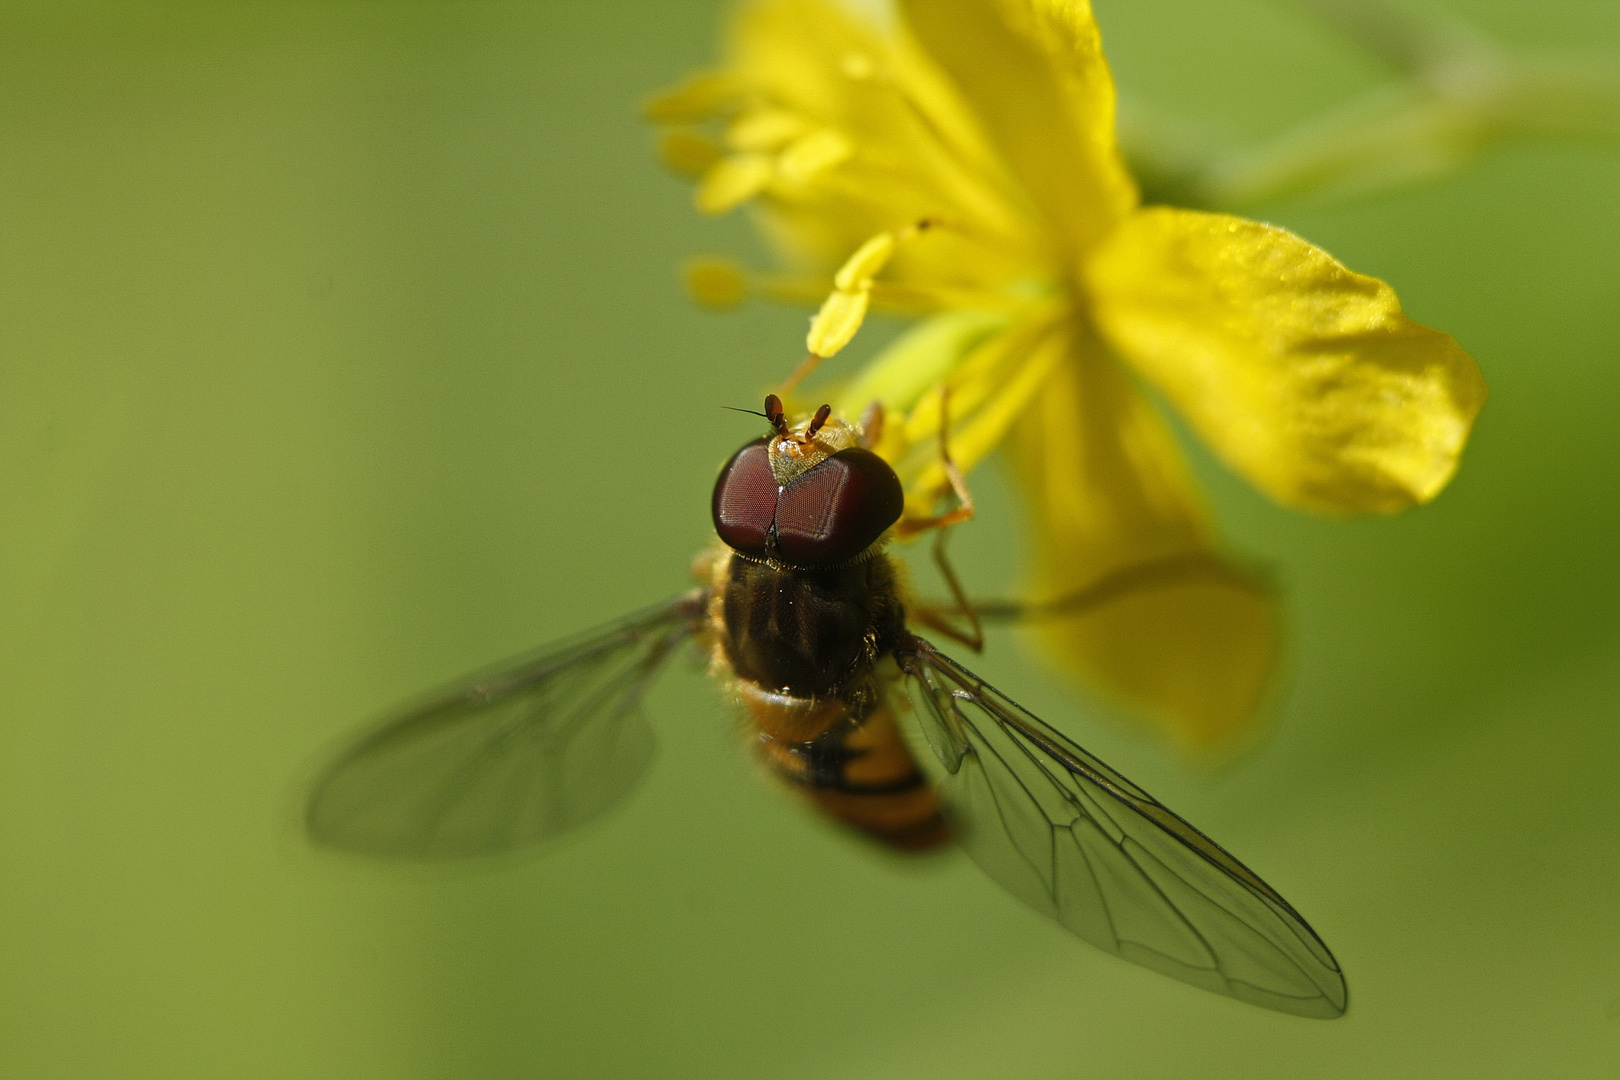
803 645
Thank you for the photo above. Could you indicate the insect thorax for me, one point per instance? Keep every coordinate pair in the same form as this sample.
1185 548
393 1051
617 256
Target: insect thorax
808 633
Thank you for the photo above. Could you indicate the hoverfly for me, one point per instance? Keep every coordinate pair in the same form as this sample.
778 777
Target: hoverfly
804 619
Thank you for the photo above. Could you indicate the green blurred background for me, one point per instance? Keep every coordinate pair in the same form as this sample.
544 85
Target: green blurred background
342 349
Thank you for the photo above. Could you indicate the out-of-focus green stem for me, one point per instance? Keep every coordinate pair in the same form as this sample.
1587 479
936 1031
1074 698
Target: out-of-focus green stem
1456 95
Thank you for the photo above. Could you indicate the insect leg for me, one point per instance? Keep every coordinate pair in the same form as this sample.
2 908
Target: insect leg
964 508
936 618
1148 574
872 425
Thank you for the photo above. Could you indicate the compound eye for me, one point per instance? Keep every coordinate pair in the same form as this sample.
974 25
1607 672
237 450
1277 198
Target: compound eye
744 503
836 510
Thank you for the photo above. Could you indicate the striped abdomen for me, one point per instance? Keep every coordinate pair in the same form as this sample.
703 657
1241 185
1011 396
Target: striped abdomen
862 773
802 645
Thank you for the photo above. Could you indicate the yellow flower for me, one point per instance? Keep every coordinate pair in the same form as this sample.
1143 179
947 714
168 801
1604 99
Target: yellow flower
959 164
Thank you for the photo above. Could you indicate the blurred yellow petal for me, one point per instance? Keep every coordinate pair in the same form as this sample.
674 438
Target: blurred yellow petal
1303 376
1106 488
1033 71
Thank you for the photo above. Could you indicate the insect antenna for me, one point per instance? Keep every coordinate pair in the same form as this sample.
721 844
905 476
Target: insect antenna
773 413
816 422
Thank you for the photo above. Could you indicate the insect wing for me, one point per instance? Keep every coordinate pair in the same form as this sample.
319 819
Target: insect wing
1074 839
524 752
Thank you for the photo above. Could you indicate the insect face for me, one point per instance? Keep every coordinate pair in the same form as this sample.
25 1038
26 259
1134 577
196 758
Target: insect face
812 497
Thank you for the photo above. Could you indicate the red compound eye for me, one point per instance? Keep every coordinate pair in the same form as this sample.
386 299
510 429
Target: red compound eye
744 504
834 511
828 514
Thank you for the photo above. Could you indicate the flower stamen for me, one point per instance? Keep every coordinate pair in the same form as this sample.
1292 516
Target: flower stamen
697 99
845 308
688 153
812 154
800 373
732 181
718 284
765 130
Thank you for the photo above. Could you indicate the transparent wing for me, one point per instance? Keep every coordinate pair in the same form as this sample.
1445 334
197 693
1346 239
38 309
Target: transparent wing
524 752
1074 839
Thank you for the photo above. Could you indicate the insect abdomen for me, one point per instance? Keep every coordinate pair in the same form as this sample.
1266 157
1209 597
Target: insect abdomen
862 773
802 644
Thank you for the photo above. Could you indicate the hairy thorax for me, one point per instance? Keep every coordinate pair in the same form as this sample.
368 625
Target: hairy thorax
805 633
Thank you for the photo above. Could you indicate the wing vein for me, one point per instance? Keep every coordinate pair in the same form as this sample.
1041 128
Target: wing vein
532 749
1132 877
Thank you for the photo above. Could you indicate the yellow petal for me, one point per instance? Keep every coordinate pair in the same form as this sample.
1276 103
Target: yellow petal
1106 491
886 143
1303 376
1034 72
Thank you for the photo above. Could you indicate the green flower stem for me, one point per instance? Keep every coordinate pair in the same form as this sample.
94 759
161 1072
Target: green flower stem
1455 96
